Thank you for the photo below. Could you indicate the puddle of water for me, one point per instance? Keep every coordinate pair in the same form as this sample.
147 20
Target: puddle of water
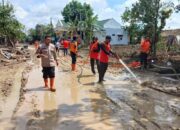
139 103
81 106
72 107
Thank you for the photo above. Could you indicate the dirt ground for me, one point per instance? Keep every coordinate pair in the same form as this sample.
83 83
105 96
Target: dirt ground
82 104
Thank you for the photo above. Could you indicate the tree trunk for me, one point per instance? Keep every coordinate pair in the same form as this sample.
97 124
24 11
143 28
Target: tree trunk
10 42
154 41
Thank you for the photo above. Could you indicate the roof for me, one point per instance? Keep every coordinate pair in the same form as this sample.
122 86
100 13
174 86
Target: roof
64 23
103 22
170 32
99 25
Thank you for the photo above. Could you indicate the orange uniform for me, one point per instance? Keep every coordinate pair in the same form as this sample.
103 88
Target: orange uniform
66 44
104 53
145 46
73 50
94 53
73 47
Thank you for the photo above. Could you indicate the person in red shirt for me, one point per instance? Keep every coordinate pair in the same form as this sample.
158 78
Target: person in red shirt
94 54
105 52
144 51
66 44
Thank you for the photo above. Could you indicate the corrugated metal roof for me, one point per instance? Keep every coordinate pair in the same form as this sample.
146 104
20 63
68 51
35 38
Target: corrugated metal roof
99 25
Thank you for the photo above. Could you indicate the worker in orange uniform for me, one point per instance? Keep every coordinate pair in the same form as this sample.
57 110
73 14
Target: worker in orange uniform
105 52
94 54
66 44
144 51
47 53
73 51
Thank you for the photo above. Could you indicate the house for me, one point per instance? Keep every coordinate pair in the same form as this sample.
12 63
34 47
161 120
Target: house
61 28
168 34
105 27
114 29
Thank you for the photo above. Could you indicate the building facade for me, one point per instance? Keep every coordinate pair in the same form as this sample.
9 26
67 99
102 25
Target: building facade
114 29
105 27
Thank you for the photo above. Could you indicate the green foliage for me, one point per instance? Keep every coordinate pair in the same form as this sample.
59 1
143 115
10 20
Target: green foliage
80 17
40 31
147 18
10 27
133 28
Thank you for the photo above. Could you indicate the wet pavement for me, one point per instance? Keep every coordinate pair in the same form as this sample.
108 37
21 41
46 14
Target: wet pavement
82 104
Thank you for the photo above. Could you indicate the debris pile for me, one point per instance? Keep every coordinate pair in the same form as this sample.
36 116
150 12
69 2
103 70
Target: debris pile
10 56
172 89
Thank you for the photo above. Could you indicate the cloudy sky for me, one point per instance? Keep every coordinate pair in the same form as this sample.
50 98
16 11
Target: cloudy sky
31 12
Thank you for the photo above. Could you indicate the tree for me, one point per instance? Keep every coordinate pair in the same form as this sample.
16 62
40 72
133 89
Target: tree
177 7
10 27
150 16
39 32
80 18
133 28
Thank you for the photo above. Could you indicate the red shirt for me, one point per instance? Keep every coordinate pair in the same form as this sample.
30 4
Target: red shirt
104 58
94 55
145 46
66 44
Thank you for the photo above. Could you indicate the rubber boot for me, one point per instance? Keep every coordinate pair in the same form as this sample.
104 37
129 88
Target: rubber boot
74 67
46 83
52 85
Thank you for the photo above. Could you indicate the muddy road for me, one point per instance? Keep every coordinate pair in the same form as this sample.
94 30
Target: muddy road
82 104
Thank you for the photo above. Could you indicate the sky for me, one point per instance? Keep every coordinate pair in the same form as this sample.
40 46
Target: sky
32 12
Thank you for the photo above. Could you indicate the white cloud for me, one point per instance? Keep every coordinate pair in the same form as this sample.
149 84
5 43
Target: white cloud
173 22
31 12
20 12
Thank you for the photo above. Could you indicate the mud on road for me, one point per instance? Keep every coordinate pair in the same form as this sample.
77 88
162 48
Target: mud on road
82 104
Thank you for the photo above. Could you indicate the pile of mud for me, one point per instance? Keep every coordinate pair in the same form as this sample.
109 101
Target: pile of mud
7 87
10 56
169 88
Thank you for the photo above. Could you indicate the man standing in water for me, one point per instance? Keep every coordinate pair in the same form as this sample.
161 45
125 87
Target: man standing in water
104 57
94 54
144 51
47 53
73 51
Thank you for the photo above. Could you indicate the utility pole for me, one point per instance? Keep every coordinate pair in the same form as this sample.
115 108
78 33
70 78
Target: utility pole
3 3
52 30
155 36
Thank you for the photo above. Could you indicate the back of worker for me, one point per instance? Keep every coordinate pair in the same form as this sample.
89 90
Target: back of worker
66 46
144 52
73 51
94 54
105 52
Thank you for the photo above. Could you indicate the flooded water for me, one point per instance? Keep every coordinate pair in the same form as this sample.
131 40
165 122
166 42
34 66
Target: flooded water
82 104
72 107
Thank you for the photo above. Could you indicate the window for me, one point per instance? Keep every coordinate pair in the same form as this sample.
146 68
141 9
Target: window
113 35
120 37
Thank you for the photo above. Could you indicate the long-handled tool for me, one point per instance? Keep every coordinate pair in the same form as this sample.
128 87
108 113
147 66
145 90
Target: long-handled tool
129 70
